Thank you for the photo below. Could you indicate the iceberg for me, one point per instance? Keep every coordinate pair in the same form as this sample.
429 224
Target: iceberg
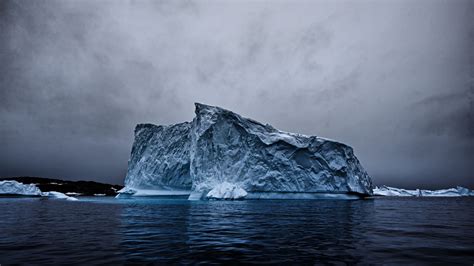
16 188
400 192
395 192
10 187
222 155
450 192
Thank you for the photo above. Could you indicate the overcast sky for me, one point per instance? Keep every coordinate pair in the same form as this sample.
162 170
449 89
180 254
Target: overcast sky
393 79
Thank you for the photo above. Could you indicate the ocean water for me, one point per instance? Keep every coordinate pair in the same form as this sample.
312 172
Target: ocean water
165 231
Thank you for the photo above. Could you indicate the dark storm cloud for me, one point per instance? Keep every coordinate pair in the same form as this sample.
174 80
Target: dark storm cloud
393 79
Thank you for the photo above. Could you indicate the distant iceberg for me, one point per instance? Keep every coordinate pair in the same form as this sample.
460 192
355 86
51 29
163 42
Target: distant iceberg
400 192
222 155
14 188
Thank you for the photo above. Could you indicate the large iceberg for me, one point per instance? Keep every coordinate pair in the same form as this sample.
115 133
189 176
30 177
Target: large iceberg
400 192
221 154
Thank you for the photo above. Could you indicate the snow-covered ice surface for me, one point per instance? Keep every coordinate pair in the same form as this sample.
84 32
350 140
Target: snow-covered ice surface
400 192
58 195
221 147
16 188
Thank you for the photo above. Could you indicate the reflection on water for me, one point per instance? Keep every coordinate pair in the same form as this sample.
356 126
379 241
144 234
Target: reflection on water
280 232
145 230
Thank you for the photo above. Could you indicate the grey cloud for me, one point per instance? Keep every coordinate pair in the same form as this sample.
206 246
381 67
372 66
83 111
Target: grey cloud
446 114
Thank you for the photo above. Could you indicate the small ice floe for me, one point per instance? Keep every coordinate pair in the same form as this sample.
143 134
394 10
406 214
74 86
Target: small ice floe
99 195
73 194
126 192
57 195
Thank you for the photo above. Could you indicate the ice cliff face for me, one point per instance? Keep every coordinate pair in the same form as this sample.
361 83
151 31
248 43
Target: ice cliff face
221 147
160 157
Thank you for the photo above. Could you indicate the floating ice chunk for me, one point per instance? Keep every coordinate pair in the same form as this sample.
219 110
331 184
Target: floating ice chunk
73 193
10 187
226 191
125 192
57 195
99 195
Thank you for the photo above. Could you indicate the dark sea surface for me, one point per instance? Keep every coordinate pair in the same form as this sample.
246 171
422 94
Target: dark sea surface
149 230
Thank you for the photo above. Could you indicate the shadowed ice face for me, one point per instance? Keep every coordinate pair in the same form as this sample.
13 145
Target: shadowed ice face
393 79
